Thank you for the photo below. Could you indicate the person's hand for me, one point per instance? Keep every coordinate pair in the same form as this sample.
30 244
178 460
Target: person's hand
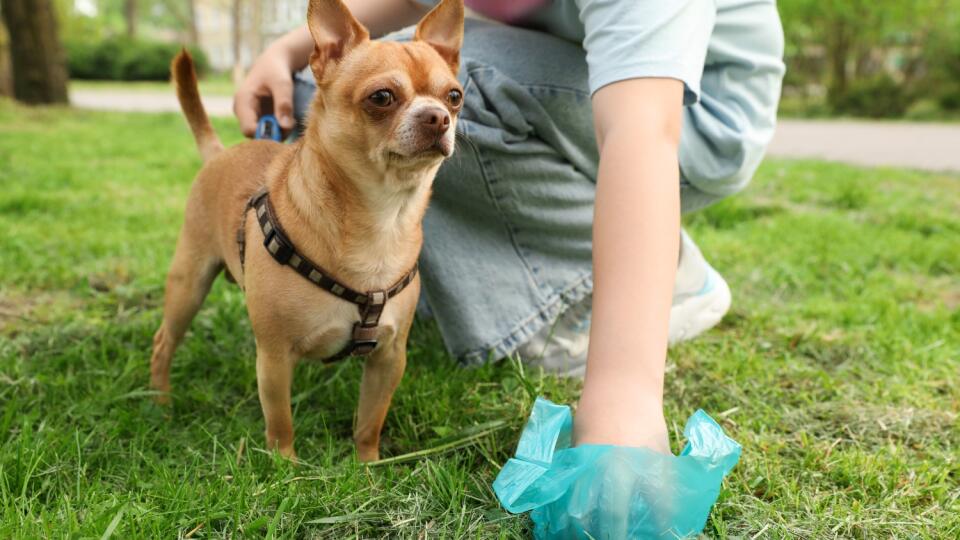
271 76
623 494
608 491
627 493
622 415
600 489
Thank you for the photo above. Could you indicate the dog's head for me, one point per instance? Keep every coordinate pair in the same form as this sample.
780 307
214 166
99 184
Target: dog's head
385 108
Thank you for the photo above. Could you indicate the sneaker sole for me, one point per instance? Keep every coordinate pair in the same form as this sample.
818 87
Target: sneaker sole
699 313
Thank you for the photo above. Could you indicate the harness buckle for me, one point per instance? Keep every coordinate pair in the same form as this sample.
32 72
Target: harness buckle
277 245
364 339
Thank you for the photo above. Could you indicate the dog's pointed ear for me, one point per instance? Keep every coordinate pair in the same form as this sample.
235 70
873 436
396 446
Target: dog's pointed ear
442 29
335 31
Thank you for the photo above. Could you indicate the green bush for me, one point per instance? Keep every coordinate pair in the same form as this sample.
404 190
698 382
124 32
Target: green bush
92 60
876 97
949 97
126 60
925 109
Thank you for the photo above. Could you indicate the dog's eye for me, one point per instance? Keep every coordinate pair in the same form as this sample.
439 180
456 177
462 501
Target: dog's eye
455 97
382 98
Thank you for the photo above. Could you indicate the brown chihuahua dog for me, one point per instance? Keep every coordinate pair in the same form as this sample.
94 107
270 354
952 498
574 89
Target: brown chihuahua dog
339 275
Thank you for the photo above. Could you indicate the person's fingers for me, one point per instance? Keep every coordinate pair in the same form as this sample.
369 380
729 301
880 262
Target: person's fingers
246 107
282 92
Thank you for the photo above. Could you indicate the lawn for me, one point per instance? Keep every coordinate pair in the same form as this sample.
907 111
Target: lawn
838 368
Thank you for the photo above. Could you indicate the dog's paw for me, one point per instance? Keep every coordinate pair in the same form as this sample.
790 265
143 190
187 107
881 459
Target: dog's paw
366 455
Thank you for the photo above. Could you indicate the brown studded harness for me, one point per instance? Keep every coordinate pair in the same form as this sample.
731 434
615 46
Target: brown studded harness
364 337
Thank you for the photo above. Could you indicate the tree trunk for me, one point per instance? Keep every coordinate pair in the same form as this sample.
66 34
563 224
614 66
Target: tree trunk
37 58
130 17
838 54
183 12
6 78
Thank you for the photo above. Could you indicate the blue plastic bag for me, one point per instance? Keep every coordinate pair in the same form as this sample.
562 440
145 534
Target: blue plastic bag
613 492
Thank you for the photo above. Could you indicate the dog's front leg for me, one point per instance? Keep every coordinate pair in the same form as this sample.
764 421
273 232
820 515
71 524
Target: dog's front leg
274 377
381 376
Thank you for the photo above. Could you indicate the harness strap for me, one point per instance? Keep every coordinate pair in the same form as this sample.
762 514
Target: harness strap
277 243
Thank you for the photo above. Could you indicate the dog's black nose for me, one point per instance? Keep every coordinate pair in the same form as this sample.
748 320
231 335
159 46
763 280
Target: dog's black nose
434 118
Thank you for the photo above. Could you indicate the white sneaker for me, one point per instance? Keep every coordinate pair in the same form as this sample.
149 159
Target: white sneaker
561 348
701 298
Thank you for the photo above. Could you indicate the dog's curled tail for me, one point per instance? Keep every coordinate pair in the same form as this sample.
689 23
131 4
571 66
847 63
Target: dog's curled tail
185 80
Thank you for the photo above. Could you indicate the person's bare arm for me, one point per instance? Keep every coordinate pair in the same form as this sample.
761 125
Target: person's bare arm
270 75
635 251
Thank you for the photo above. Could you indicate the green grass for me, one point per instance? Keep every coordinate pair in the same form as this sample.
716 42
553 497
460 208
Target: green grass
838 368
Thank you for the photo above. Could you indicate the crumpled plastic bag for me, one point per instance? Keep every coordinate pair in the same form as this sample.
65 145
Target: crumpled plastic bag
613 492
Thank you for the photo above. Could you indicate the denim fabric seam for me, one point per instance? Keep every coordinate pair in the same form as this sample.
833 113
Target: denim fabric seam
539 91
485 171
553 300
468 85
542 315
554 87
491 177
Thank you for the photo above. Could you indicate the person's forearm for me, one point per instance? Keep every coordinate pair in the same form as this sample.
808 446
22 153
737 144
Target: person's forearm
379 16
635 251
635 246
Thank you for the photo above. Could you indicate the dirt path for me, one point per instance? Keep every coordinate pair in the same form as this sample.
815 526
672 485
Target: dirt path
146 101
925 146
931 147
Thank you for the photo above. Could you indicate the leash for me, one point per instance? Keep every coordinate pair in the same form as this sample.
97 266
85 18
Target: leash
268 127
363 339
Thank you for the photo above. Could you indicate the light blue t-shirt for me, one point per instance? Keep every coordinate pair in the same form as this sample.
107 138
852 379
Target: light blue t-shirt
635 38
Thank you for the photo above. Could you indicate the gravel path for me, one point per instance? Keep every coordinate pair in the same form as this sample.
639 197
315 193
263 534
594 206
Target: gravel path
146 101
924 146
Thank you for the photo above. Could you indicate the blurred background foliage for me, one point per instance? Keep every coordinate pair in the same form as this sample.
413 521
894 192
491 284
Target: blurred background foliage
124 59
101 19
127 40
872 58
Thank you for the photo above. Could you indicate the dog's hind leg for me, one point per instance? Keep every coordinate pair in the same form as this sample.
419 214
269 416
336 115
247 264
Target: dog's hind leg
191 274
